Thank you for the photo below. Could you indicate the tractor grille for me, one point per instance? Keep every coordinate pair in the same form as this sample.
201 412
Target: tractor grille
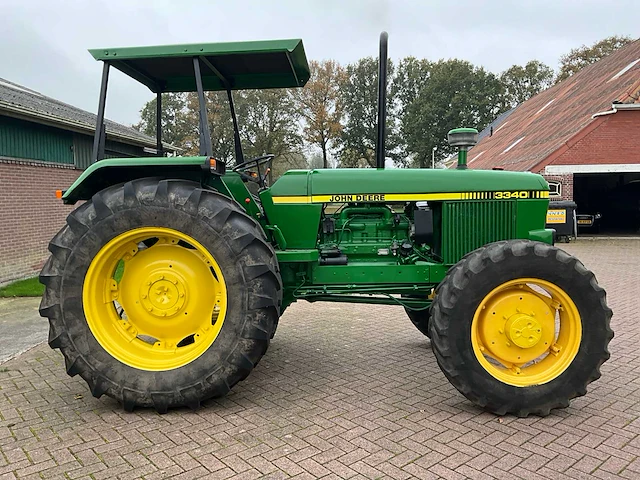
468 225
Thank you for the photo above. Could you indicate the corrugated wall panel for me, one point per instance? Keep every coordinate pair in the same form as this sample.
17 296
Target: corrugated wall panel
114 149
82 150
31 141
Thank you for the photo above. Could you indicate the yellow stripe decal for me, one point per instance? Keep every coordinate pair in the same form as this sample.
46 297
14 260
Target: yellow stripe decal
410 197
300 199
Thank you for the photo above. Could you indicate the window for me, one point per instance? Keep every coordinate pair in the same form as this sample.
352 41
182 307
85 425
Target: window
555 189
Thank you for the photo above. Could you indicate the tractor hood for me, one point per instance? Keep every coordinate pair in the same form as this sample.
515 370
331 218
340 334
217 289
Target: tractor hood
378 185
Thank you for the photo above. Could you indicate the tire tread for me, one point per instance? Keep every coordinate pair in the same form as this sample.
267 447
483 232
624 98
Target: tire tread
260 270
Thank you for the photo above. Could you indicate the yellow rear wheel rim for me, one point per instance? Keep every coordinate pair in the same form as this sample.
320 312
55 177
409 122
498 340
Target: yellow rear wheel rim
526 332
154 298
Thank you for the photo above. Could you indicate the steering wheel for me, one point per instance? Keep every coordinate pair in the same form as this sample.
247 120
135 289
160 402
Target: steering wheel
244 169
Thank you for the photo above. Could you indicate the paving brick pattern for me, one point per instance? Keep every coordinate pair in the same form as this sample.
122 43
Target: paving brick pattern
345 391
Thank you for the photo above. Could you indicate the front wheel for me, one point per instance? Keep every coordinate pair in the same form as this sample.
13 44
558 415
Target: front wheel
520 327
161 293
420 320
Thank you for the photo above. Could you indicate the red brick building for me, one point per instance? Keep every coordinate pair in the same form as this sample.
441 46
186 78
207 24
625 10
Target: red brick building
583 135
44 146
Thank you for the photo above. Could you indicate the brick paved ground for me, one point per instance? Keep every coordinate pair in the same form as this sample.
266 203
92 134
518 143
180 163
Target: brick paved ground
344 392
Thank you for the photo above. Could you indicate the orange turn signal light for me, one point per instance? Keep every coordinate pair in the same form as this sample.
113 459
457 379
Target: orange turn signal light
214 166
58 194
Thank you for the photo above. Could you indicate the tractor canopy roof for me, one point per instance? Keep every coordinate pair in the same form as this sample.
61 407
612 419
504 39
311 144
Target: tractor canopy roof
223 66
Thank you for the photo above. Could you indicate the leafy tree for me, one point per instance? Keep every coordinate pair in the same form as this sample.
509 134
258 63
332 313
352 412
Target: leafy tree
220 126
315 160
457 94
175 122
359 95
320 106
269 123
412 74
522 83
411 77
579 58
286 162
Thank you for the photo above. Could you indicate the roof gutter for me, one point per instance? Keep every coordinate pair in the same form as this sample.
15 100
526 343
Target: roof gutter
617 107
27 114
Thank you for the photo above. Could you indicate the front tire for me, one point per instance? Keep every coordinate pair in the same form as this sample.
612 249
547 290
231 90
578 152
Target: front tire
420 320
160 293
520 327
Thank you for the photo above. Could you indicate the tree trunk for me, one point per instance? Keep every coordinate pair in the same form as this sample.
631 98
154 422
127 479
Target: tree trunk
324 155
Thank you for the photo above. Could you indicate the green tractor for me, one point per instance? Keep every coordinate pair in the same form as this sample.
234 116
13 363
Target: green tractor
166 284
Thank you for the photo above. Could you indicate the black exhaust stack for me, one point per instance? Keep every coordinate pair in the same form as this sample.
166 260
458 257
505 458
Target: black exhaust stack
382 100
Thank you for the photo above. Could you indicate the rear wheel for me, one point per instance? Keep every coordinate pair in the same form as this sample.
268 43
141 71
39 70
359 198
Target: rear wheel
160 293
169 294
520 327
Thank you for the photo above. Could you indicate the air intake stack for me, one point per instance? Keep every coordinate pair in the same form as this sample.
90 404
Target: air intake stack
382 100
463 138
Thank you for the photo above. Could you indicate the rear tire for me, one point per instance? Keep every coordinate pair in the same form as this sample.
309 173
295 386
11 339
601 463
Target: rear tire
476 326
216 223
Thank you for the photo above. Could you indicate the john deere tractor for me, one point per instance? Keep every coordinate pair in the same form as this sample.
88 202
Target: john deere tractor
166 284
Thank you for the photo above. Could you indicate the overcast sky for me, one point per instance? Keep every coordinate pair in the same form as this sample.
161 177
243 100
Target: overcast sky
43 43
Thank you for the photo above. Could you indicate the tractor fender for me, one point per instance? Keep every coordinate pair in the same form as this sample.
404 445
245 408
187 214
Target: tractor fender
108 172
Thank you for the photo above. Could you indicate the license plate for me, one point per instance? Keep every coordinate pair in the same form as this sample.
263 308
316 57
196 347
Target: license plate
585 222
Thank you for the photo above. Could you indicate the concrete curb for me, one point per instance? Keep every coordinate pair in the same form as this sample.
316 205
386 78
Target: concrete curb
594 238
17 354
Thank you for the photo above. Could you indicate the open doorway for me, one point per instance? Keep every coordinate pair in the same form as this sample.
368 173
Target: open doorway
615 196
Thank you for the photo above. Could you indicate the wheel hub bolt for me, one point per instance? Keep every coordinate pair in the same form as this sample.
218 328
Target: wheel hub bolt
163 293
523 330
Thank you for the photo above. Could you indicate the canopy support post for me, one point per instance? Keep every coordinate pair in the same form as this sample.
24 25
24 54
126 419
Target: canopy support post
236 130
234 118
159 151
98 142
205 134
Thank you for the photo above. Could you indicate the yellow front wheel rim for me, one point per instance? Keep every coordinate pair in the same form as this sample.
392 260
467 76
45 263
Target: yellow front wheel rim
154 298
526 332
